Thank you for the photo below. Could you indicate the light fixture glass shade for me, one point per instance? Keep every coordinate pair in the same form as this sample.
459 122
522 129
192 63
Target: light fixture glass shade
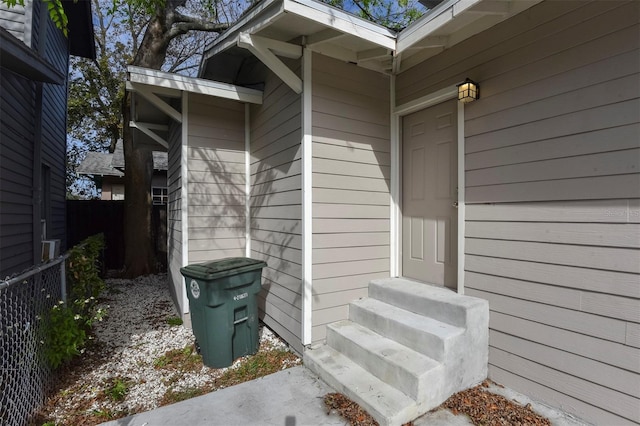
468 91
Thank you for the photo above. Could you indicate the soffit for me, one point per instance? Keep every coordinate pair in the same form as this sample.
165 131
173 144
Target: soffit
450 23
338 34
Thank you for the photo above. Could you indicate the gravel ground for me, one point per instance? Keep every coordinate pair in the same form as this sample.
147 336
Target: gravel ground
128 345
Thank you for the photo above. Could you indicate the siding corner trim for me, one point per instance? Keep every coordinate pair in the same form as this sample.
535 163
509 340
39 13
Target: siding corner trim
307 199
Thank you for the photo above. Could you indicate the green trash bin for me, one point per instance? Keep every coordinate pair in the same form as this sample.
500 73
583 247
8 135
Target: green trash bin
224 310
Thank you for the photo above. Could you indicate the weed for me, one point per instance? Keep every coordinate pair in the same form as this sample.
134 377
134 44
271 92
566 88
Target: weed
161 361
185 360
258 365
174 321
118 389
171 396
105 414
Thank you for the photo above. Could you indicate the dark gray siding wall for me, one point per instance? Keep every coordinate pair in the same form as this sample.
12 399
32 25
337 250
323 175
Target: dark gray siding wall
174 215
552 155
350 186
33 134
276 206
54 133
17 116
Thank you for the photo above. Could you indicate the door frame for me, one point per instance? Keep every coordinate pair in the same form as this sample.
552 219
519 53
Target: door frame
397 112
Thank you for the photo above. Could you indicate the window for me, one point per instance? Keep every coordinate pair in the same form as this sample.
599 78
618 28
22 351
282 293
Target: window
159 195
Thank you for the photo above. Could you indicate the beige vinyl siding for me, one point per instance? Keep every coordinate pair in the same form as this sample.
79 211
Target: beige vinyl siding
174 215
216 179
552 159
351 165
276 206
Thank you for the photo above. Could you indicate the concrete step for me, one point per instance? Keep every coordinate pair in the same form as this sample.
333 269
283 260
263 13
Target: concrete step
386 404
425 335
432 301
413 373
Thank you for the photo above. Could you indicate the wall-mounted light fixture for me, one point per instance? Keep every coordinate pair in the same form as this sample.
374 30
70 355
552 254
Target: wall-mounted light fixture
468 91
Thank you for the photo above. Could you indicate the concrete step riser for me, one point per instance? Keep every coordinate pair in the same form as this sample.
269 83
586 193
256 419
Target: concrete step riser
424 343
440 310
322 366
405 349
377 364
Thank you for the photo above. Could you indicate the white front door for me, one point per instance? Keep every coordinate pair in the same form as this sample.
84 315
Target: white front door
429 194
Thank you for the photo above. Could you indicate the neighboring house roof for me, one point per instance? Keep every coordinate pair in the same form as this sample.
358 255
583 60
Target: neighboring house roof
108 164
160 158
98 163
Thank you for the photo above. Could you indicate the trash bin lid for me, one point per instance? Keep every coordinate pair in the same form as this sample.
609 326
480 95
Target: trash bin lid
221 268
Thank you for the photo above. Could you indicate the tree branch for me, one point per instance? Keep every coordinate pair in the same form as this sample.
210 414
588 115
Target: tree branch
182 24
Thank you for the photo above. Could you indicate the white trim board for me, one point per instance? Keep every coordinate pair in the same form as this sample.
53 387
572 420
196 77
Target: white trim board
339 20
247 176
307 200
184 193
398 112
178 83
394 202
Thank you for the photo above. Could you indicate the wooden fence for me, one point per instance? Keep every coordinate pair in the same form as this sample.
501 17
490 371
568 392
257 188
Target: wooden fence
89 217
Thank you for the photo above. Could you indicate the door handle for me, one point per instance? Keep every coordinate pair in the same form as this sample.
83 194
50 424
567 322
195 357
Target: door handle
455 204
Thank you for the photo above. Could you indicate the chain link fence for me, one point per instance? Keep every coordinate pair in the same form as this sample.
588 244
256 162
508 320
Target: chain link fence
25 377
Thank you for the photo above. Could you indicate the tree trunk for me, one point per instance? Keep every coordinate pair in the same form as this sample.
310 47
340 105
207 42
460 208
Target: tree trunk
139 246
139 254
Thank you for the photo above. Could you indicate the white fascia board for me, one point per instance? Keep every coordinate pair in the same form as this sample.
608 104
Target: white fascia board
180 83
229 38
342 21
430 22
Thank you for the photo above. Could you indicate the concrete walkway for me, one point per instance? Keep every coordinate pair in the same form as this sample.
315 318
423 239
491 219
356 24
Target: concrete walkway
293 397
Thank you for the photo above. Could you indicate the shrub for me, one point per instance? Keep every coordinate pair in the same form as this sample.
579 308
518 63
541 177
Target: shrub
68 325
83 269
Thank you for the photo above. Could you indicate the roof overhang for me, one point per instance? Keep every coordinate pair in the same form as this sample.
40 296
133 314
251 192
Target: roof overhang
80 27
333 32
17 57
307 23
154 96
449 23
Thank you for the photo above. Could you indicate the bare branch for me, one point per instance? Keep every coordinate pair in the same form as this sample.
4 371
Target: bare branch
183 24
